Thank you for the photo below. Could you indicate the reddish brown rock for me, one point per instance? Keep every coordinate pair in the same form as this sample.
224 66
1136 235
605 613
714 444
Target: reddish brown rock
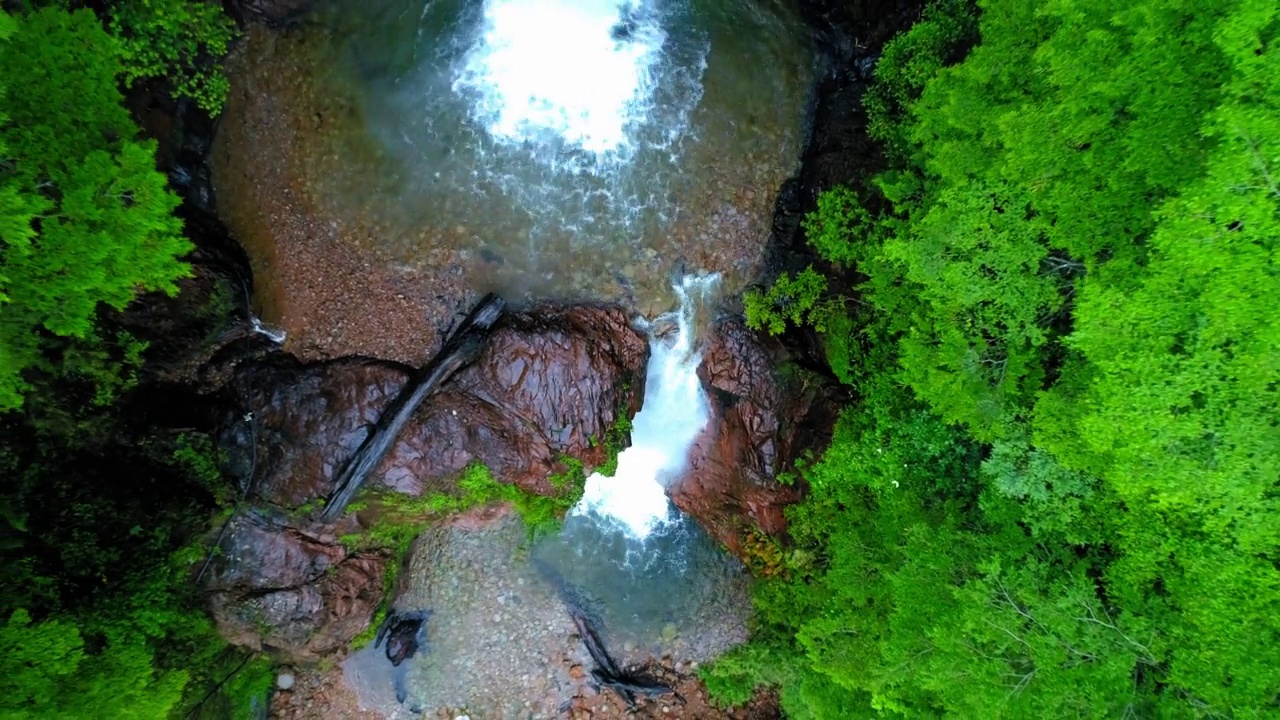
547 386
759 424
309 420
299 596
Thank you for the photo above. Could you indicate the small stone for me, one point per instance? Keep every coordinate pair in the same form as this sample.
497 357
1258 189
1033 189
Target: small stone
575 672
284 681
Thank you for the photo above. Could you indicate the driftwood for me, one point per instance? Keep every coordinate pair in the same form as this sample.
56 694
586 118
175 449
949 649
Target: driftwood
404 633
462 348
626 682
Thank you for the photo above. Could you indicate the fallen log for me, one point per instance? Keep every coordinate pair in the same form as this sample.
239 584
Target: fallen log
595 648
626 682
462 348
629 685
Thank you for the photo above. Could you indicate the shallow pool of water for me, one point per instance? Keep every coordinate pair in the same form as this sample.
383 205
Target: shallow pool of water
562 148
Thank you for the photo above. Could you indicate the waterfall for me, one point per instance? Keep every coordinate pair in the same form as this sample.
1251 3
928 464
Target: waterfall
578 74
674 412
275 336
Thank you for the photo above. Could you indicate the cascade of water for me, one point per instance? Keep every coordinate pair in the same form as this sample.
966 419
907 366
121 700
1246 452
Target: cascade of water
577 72
675 410
276 336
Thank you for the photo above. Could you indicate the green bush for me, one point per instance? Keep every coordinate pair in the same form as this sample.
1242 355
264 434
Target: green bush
181 41
87 220
795 299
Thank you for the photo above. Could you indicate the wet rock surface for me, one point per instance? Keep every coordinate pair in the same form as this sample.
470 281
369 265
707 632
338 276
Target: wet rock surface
295 594
547 386
760 422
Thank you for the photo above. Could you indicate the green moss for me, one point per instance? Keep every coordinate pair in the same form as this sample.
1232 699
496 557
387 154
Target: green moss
616 439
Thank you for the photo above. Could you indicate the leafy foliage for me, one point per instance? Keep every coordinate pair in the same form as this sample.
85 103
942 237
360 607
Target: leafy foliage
179 40
945 32
100 500
89 220
1070 509
794 299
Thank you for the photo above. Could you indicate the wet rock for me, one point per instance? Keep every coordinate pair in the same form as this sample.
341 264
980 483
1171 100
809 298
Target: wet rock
759 423
309 420
278 589
548 385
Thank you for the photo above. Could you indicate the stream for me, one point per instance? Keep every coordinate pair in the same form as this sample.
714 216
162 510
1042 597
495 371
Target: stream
573 150
563 149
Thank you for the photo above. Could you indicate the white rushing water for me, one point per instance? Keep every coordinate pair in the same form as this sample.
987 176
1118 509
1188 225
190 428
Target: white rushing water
581 72
276 336
675 410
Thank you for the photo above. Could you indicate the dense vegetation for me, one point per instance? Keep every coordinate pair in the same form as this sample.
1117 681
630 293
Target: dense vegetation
100 498
1058 494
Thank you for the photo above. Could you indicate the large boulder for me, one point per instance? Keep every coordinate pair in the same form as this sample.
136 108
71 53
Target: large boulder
760 423
294 592
548 386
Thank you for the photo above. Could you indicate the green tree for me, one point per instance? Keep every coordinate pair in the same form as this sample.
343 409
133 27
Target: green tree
181 41
1182 408
87 220
1073 265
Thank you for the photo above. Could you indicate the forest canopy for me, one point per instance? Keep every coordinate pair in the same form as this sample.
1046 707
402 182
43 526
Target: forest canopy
100 502
1058 493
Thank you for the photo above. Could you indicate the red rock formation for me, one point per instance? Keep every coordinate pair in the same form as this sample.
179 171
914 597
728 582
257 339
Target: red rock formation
759 424
548 385
279 589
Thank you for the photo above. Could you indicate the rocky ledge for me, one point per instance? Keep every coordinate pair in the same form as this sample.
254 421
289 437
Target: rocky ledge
548 386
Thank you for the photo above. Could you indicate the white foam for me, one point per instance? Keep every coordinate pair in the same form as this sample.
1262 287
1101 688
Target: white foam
276 336
584 70
675 411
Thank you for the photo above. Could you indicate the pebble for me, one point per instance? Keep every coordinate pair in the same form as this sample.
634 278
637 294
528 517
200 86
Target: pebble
284 681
